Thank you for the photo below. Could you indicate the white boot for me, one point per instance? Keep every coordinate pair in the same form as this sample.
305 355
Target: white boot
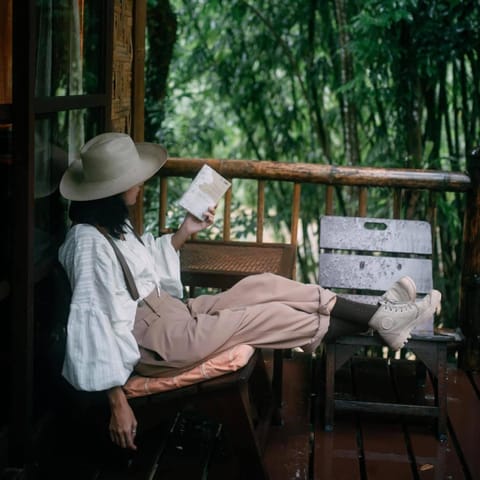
395 321
402 291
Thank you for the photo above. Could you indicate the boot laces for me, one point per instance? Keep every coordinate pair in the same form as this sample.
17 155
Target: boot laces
398 307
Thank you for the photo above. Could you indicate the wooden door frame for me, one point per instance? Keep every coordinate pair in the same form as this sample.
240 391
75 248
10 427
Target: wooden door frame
24 111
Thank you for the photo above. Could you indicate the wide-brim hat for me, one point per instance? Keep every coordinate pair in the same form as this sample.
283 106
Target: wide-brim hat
109 164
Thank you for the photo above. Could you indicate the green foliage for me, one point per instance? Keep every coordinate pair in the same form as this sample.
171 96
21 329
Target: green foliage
391 83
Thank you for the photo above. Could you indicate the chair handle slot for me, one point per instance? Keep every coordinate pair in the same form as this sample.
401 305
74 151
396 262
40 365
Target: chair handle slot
375 226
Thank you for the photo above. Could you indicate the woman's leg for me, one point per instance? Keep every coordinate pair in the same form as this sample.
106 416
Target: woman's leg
263 289
349 317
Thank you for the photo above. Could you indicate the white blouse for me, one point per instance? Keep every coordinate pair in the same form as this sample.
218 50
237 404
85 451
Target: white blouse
101 350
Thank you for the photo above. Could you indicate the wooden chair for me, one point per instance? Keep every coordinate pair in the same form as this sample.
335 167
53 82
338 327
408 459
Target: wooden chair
361 258
241 402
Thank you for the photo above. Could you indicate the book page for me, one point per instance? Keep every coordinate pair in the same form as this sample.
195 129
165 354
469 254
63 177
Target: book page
205 191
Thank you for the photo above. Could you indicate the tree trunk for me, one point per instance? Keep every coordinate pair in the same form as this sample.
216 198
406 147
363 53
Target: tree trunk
348 109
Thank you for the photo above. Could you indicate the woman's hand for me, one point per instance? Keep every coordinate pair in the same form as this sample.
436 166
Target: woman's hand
192 225
123 424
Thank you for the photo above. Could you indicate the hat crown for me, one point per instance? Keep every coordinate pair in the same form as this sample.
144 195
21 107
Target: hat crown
108 156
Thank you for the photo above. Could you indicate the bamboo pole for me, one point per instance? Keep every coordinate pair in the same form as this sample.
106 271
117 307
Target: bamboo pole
297 191
329 200
138 89
397 203
227 211
260 210
162 211
322 174
362 202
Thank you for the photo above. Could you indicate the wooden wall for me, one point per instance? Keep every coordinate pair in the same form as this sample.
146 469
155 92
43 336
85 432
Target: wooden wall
6 52
128 87
122 75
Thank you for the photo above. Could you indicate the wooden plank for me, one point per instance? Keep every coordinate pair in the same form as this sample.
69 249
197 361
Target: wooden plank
475 376
432 459
137 465
287 451
372 272
383 459
464 415
336 454
188 448
376 234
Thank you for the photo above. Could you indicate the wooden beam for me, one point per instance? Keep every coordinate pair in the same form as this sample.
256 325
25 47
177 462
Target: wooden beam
138 82
22 327
323 174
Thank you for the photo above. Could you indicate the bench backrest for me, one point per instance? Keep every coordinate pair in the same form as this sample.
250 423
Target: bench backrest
362 257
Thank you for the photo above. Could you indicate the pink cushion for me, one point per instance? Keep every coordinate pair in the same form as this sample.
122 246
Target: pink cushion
225 362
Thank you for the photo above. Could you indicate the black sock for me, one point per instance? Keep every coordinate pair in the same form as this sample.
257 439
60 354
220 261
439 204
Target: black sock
339 328
353 312
349 317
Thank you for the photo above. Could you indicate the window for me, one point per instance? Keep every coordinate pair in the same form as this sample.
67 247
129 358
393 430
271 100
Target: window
71 101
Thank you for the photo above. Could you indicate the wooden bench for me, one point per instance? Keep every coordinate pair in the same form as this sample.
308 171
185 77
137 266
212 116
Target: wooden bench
241 402
360 258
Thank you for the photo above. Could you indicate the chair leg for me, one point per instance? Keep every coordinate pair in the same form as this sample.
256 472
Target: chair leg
276 386
263 397
441 392
329 386
277 376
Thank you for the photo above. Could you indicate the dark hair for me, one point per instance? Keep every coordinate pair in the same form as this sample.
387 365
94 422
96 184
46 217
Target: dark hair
110 212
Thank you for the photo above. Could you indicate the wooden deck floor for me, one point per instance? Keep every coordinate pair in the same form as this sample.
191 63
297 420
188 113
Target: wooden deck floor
373 448
360 447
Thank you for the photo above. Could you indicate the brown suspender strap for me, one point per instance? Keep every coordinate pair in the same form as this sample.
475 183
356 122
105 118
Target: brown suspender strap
127 273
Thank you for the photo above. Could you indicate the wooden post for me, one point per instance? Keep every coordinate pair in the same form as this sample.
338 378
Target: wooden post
469 309
22 328
138 91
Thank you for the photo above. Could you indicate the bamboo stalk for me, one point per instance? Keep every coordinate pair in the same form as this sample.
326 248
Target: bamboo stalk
397 202
323 174
260 210
329 200
227 211
162 211
297 191
362 202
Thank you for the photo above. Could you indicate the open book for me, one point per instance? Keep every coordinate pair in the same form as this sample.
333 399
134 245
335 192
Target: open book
205 191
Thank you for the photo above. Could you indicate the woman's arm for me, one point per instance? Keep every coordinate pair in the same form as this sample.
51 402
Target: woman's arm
190 226
123 424
100 350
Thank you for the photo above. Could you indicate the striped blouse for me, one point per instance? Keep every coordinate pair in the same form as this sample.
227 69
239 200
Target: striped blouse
101 350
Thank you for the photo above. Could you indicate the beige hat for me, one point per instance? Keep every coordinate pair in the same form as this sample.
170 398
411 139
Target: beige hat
110 163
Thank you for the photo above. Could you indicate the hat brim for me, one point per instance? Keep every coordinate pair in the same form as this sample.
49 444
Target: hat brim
74 186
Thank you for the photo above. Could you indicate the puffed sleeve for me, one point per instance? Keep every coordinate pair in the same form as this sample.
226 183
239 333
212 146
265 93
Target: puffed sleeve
101 351
167 263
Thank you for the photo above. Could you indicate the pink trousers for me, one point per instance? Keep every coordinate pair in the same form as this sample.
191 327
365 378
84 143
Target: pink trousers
263 310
